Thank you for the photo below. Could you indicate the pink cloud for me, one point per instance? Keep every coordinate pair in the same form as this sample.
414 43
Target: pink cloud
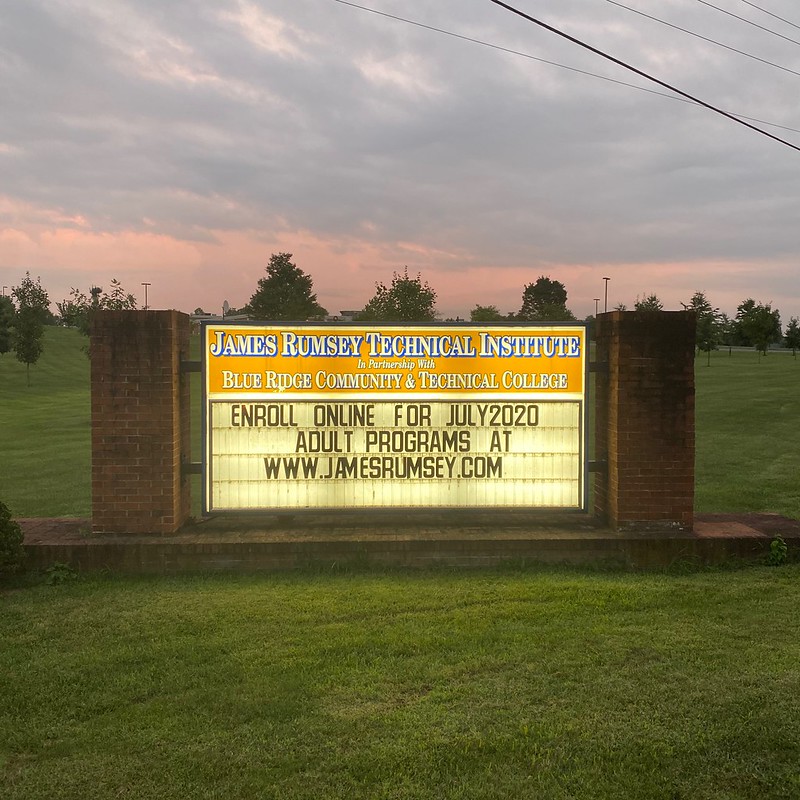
228 264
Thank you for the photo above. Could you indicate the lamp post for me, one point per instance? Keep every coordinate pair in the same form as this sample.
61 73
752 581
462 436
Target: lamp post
605 305
596 302
145 284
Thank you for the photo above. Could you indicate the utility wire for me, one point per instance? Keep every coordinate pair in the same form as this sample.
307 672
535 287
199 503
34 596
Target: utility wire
769 13
506 49
550 63
749 22
704 38
639 72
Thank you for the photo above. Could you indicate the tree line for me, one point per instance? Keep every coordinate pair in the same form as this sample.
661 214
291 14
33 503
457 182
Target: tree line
25 313
755 325
23 316
285 293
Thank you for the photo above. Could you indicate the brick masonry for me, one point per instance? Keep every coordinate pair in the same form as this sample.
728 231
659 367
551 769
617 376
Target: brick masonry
140 421
644 419
236 544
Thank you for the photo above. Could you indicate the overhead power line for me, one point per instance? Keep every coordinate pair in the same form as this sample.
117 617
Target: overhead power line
522 54
769 13
699 36
641 73
749 22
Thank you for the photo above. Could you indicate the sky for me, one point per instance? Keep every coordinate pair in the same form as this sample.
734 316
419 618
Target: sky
182 142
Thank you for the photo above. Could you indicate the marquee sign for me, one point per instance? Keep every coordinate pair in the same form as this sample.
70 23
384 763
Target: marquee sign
380 416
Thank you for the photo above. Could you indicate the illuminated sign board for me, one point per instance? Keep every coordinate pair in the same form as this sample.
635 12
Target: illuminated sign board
381 416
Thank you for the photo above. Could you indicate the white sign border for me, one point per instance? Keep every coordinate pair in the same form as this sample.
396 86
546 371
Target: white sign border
582 400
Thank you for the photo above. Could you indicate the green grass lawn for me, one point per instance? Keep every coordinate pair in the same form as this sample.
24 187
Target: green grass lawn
540 683
748 433
45 448
748 436
492 684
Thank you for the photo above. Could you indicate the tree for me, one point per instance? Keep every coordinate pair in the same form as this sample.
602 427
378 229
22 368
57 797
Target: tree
486 314
649 304
285 293
6 323
33 309
75 312
726 331
117 299
544 301
792 335
28 334
757 325
31 294
739 333
708 324
407 300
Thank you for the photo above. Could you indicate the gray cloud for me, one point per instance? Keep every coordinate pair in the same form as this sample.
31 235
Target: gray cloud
195 117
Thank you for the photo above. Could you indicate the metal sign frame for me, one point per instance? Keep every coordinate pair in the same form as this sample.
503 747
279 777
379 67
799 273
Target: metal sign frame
278 379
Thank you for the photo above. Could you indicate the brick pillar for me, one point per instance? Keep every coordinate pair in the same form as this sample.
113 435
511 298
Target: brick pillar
644 419
140 421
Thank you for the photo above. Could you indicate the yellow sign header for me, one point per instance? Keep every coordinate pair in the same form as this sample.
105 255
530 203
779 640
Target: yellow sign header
258 360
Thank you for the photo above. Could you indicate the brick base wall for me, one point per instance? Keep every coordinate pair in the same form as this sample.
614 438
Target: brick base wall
644 419
140 421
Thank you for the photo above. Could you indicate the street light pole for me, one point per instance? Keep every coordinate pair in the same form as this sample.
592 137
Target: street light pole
596 301
605 306
145 284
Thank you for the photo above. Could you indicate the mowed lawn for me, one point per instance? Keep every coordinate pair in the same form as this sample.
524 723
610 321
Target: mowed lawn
539 682
45 447
488 684
748 433
748 436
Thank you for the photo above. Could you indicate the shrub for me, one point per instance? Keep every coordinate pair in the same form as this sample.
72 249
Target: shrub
12 555
778 552
60 573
